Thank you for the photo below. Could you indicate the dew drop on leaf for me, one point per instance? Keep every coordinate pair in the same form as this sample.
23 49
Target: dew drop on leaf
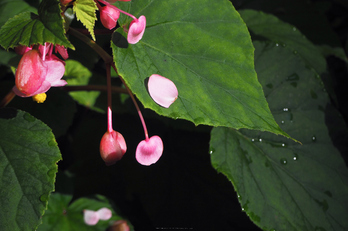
295 157
211 151
314 139
283 161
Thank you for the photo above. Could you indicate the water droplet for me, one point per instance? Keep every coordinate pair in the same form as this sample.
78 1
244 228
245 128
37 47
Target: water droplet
283 122
295 52
314 139
294 29
284 145
252 140
285 109
295 157
260 140
52 143
277 45
328 193
269 85
29 117
283 161
245 206
313 94
44 197
212 150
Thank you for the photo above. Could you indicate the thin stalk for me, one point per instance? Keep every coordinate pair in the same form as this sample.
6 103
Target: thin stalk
7 99
123 12
108 81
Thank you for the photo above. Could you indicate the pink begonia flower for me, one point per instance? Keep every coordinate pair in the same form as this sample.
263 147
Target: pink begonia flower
104 214
136 30
149 150
90 217
112 147
35 75
62 51
109 16
162 90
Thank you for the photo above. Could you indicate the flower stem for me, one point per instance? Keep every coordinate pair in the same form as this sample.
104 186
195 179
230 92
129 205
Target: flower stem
136 106
7 99
108 81
123 12
95 88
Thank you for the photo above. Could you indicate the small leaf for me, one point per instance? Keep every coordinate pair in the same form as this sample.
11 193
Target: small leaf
28 157
283 185
85 12
28 28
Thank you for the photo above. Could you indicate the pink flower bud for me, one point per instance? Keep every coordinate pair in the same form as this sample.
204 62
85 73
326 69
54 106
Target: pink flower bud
30 74
112 147
162 90
65 2
90 217
149 151
109 16
136 30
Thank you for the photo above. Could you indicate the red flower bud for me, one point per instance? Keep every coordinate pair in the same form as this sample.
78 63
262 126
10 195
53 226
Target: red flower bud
109 16
112 147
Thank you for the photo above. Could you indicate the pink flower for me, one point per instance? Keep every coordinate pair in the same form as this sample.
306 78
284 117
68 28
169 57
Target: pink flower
36 75
136 30
109 16
162 90
112 147
92 217
149 150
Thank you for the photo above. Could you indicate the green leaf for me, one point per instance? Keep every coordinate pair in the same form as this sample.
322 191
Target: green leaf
9 8
85 12
205 49
28 157
77 74
28 28
284 34
61 215
283 185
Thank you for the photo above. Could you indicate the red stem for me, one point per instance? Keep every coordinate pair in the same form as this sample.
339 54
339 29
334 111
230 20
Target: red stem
123 12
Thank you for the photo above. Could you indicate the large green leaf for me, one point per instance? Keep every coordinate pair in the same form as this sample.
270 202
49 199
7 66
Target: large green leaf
205 49
28 157
9 8
284 34
28 28
283 185
61 215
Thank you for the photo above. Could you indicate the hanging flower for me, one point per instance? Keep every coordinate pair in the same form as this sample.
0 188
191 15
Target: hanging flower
149 150
38 71
112 147
136 30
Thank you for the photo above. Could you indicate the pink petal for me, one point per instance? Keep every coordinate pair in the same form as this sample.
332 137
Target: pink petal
112 147
109 16
90 217
136 30
149 151
56 69
31 73
104 214
162 90
62 51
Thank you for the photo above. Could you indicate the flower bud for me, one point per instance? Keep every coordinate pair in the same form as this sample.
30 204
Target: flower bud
112 147
109 16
